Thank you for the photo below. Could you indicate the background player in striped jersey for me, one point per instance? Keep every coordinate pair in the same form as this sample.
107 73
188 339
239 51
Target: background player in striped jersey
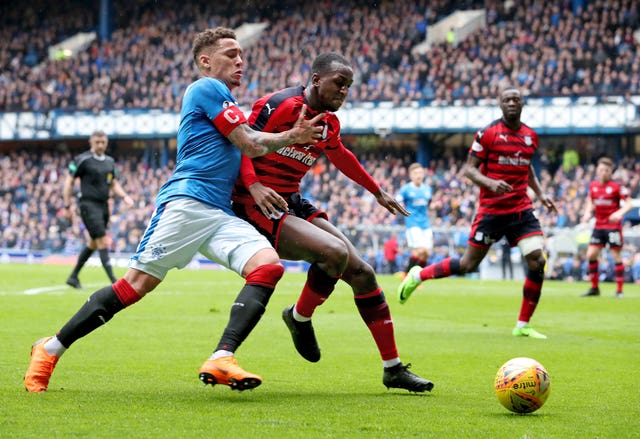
267 195
500 162
605 196
193 214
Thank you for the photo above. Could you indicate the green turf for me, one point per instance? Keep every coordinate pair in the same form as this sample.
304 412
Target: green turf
137 376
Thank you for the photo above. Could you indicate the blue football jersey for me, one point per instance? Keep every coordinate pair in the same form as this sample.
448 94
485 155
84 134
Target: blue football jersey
207 163
416 200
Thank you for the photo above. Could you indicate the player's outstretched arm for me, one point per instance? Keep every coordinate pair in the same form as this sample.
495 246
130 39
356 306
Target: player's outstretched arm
254 143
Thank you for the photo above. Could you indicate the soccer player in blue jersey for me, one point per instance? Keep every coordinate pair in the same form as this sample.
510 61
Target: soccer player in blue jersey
193 214
416 196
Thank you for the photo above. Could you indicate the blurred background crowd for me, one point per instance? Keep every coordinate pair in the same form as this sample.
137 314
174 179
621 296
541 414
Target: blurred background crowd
32 217
549 49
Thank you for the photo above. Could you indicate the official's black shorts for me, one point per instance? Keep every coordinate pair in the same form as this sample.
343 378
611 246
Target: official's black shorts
95 216
603 237
488 229
270 227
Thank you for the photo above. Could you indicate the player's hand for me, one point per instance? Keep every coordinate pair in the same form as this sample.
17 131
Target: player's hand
128 201
500 186
271 204
307 131
615 217
390 203
548 203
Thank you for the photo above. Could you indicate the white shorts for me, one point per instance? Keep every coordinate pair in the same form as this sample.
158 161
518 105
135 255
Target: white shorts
183 227
419 238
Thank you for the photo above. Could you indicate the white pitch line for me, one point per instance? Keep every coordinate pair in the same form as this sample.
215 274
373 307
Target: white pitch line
57 288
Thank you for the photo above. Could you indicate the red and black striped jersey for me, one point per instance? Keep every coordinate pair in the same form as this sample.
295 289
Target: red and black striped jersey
282 170
506 155
606 199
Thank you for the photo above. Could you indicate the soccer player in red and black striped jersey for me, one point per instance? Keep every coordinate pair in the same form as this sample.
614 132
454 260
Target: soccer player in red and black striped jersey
499 161
267 195
605 196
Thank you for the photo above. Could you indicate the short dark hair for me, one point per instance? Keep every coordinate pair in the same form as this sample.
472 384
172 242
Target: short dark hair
208 38
322 63
508 88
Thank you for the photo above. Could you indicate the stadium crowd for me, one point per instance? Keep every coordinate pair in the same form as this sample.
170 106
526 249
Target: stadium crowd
32 219
548 48
545 47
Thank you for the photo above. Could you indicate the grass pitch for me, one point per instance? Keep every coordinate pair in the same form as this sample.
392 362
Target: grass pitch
137 376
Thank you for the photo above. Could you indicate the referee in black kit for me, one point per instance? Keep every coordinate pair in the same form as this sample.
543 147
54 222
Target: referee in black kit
97 173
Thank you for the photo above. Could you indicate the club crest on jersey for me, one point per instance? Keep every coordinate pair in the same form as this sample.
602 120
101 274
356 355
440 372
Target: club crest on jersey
528 140
608 189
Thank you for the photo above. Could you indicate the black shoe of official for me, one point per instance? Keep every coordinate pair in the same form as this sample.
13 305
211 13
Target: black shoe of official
591 292
304 339
74 282
399 377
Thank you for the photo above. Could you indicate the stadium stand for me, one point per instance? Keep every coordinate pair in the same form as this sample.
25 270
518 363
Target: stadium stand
31 204
550 49
547 48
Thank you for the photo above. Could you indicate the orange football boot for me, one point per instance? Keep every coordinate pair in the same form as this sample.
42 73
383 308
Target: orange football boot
225 370
40 368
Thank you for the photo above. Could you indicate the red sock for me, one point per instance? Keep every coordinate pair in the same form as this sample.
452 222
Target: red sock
316 290
618 275
444 268
593 273
374 310
125 292
530 297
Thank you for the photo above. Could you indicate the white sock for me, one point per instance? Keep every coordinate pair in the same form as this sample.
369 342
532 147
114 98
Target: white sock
392 362
220 354
299 318
416 276
54 347
521 324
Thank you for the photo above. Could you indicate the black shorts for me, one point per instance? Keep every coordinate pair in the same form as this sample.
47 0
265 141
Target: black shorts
603 237
95 216
488 229
270 227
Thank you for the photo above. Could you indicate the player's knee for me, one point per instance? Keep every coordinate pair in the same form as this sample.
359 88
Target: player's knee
360 275
336 257
266 275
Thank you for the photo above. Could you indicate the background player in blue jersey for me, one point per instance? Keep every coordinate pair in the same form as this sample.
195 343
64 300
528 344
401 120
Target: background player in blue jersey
416 196
98 174
193 214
